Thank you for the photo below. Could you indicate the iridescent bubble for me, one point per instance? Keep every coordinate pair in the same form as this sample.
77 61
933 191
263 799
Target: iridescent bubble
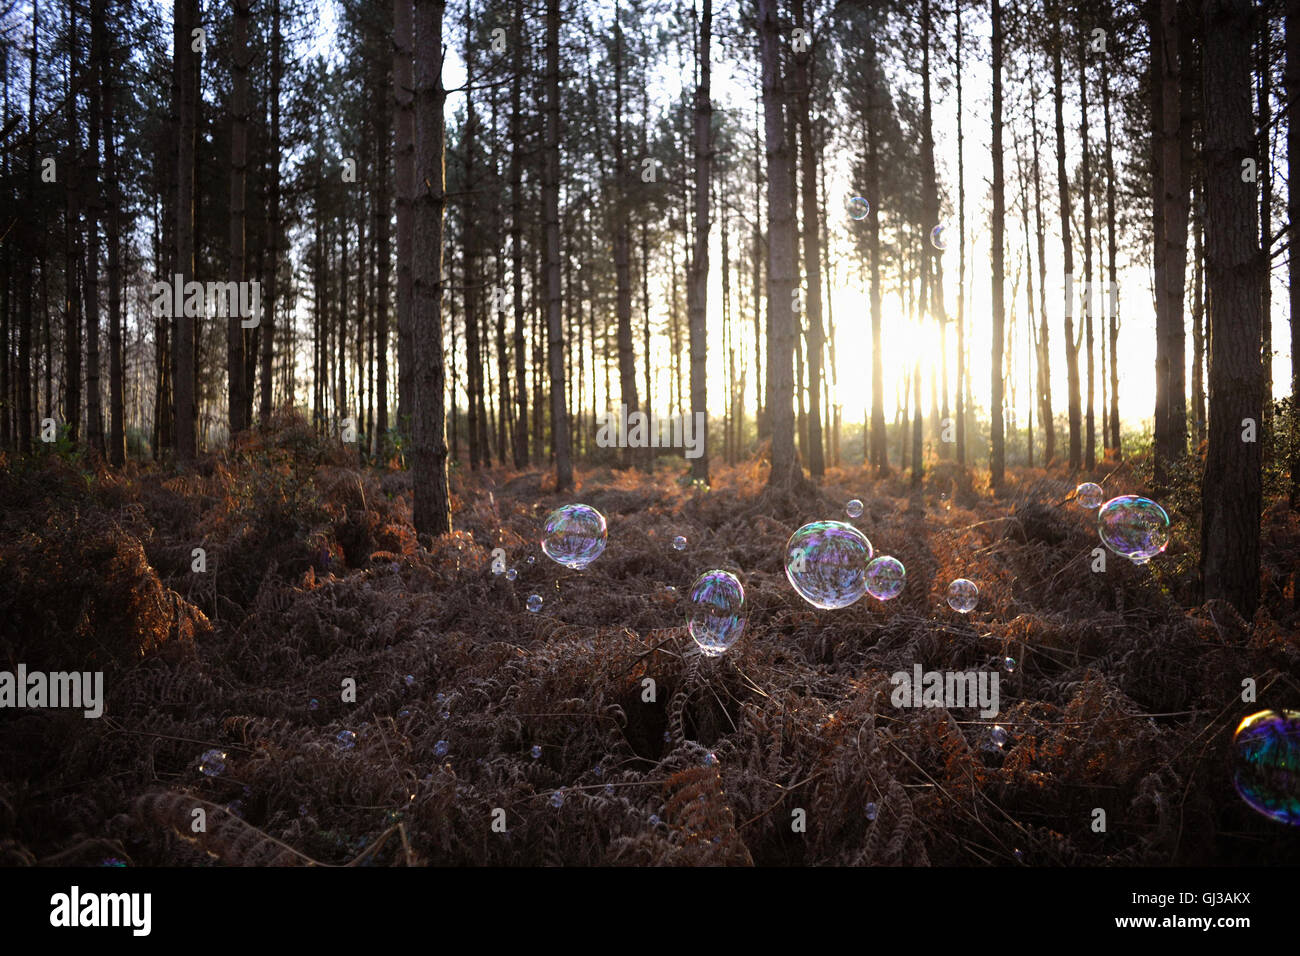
440 748
872 811
716 601
710 760
574 536
511 574
410 679
999 736
963 595
530 560
597 770
858 208
1009 665
1136 528
534 602
1266 764
609 789
654 819
346 739
1089 495
536 751
826 562
939 237
679 543
885 576
557 799
853 509
313 704
212 763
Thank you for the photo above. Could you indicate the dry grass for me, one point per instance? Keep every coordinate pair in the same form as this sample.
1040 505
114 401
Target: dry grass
1125 694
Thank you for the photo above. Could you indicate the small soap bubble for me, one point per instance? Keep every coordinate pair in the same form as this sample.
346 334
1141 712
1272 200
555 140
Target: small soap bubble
999 736
1136 528
872 811
939 237
313 704
530 560
534 602
404 712
346 739
858 208
854 508
826 562
1089 495
710 760
536 751
667 737
557 799
963 595
212 763
654 819
440 748
598 771
609 789
1009 665
679 543
885 576
1266 764
1020 856
511 574
410 680
574 536
717 598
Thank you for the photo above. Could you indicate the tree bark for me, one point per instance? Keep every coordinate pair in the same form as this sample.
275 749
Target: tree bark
560 438
997 452
698 290
1231 490
403 86
185 416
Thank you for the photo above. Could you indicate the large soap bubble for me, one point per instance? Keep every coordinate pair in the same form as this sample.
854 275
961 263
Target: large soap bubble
574 536
1136 528
716 622
826 561
1266 762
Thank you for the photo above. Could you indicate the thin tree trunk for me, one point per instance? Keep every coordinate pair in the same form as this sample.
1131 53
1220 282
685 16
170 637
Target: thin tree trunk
116 399
1090 420
810 156
997 454
273 231
1293 228
404 176
1063 185
961 258
560 438
235 345
185 417
698 289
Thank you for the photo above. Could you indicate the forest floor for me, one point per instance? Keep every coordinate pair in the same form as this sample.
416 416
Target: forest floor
1124 695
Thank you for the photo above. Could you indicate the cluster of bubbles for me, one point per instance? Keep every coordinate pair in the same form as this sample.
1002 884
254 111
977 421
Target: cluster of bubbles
1266 764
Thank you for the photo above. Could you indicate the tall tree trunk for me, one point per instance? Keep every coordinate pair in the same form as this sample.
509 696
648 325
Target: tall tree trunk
24 364
560 438
273 233
1089 298
1198 312
1112 290
879 439
698 290
785 471
235 345
1293 227
432 499
1063 186
1045 414
1265 162
997 452
116 395
72 251
1231 490
961 257
185 416
516 236
622 248
478 453
809 157
404 177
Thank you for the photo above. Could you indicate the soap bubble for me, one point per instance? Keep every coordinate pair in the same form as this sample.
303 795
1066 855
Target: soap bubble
511 574
536 751
1009 665
999 736
1136 528
654 819
679 543
716 600
963 595
530 560
409 679
826 562
854 508
939 237
212 763
859 208
534 602
1266 762
313 704
574 536
346 739
1089 495
440 748
885 576
872 811
557 799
